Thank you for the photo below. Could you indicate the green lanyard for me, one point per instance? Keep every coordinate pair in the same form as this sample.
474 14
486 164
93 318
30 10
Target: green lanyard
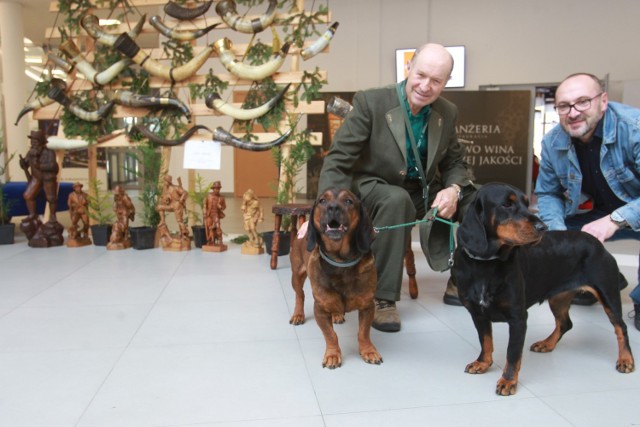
414 149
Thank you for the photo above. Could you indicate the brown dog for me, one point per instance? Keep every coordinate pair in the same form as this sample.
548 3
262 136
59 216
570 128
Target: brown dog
336 256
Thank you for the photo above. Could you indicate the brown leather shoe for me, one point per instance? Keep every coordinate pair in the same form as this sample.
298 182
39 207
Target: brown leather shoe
451 294
386 318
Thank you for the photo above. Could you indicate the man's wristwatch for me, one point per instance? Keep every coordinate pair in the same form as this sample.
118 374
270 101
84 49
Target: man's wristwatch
617 219
458 190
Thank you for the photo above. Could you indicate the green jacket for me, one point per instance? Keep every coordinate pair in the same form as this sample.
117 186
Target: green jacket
370 146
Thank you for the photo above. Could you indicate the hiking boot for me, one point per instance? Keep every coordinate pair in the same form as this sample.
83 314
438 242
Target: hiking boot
584 298
636 315
451 294
386 318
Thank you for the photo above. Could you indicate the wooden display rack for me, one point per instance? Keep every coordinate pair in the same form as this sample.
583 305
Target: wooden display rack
294 75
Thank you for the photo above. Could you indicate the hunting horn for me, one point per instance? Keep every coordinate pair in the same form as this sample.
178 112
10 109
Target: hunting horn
175 34
249 72
214 102
182 13
69 48
225 137
168 142
130 99
130 49
227 11
90 23
58 95
42 101
321 43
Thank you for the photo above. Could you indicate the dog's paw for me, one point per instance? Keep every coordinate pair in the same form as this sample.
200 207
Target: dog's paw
371 356
625 366
477 367
332 360
506 387
297 319
337 319
542 347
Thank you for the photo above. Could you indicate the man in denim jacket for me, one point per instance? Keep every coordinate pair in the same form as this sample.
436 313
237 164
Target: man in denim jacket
589 176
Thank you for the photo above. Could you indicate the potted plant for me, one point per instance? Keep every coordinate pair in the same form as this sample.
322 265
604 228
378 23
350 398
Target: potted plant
149 160
198 197
7 228
100 213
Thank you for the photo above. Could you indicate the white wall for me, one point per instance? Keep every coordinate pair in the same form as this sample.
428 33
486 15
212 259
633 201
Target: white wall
507 41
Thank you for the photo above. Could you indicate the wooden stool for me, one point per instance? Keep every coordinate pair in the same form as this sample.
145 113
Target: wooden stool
298 213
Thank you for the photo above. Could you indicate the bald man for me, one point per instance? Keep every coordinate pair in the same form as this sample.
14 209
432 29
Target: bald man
372 155
589 177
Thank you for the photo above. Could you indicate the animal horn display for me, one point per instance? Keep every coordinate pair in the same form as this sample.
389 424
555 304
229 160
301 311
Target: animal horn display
69 48
225 137
130 99
58 95
42 101
176 11
182 35
214 102
65 65
90 23
320 44
227 11
249 72
130 49
168 142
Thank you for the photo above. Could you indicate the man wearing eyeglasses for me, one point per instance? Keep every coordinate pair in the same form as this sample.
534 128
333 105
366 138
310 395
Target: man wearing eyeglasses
589 177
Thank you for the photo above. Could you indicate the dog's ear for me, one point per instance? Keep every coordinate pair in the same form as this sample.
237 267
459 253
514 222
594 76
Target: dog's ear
472 234
312 233
364 234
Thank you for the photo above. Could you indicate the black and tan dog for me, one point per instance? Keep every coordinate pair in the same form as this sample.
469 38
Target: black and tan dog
336 256
506 261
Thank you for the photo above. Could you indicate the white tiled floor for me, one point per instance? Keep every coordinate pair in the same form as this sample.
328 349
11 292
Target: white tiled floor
90 338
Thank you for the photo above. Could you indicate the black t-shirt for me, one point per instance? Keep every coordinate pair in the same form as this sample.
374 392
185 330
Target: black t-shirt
593 182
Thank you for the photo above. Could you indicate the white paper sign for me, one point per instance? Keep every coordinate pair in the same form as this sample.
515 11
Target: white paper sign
202 154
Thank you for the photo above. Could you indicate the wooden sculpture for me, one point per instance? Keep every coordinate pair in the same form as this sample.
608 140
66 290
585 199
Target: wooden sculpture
125 212
252 215
41 170
173 199
214 207
78 202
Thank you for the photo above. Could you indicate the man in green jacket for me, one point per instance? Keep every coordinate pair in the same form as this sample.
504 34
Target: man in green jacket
372 155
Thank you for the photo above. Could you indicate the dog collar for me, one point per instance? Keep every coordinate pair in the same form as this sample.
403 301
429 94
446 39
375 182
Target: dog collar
472 256
335 263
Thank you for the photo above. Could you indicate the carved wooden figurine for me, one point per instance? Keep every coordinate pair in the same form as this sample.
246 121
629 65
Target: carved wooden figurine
252 214
41 170
78 202
173 199
125 212
214 207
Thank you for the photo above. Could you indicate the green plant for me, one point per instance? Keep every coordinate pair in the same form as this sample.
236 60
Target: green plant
150 160
198 196
289 165
5 203
100 204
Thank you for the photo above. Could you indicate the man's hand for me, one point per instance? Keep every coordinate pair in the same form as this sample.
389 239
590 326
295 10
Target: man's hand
601 229
447 202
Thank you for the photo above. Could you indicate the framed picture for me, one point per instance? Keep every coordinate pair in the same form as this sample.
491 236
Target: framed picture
457 75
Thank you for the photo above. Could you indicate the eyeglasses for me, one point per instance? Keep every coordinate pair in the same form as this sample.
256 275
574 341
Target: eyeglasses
579 106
